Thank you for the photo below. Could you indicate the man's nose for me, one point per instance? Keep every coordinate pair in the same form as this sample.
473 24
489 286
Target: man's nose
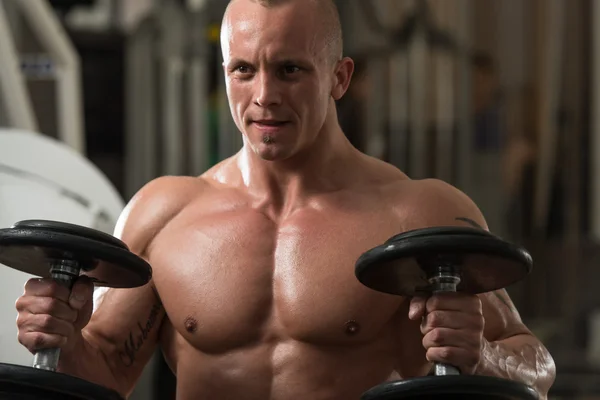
268 92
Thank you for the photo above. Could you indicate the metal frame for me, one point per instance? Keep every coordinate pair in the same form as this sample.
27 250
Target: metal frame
595 124
464 157
171 23
54 39
552 51
418 55
168 61
398 109
141 135
196 90
13 88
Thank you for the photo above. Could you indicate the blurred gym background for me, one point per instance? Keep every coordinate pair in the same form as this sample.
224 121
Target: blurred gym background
498 97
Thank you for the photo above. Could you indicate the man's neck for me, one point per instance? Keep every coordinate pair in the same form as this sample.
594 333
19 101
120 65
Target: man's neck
321 168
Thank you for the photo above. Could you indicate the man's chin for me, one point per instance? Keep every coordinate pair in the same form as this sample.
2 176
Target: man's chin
272 152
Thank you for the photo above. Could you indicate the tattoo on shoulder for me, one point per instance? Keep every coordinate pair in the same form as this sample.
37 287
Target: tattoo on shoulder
470 222
138 336
504 301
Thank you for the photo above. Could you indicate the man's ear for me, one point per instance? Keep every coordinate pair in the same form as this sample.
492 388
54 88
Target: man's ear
343 75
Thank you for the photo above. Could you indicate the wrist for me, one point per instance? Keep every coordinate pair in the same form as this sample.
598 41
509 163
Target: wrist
482 368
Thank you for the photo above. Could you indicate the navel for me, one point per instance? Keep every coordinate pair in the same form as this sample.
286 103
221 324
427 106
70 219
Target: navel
190 324
352 328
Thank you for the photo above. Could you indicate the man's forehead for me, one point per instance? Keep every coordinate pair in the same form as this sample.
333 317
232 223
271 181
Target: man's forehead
279 28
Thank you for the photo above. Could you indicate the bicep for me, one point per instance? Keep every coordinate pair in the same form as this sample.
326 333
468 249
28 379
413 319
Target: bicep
126 321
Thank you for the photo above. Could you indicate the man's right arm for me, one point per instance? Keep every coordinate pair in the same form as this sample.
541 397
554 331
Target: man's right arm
113 349
121 336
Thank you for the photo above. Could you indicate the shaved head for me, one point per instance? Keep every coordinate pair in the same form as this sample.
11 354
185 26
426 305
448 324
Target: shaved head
284 71
327 21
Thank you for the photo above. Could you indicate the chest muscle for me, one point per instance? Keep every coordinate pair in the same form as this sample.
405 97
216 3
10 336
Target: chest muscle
237 279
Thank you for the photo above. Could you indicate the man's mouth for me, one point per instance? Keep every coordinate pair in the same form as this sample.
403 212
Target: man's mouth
269 122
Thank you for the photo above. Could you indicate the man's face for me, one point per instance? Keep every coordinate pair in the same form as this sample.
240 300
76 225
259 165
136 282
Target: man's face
278 76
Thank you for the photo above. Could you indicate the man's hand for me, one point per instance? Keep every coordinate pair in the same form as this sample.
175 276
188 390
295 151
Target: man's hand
452 325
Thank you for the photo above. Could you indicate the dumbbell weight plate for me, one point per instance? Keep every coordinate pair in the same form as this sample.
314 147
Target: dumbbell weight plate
484 261
30 246
26 383
454 387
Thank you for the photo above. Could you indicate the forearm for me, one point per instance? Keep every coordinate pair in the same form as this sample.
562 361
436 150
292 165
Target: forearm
520 358
89 361
114 359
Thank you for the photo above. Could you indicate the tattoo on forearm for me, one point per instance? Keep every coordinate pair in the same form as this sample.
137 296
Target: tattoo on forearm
138 337
470 222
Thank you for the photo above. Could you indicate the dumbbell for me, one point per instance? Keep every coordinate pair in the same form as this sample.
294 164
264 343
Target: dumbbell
63 252
445 259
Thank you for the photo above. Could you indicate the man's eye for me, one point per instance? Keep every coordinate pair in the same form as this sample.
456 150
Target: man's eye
243 69
290 69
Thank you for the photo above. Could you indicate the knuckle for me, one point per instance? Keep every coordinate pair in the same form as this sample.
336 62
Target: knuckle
50 305
22 319
435 319
433 302
53 288
19 305
437 336
21 338
446 353
37 340
22 303
45 321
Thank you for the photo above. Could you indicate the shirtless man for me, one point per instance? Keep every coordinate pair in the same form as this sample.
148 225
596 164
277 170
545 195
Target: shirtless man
253 295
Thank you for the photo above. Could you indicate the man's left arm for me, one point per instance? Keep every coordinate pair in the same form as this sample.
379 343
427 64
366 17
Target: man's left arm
480 334
509 349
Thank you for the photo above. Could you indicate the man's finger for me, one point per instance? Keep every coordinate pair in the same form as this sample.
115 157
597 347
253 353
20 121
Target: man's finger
417 308
46 287
448 337
454 302
452 320
453 356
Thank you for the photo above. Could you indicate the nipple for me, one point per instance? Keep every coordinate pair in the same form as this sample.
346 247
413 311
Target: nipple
352 328
190 324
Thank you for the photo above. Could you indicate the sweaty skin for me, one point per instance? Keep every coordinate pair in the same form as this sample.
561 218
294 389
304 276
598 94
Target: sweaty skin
253 294
264 305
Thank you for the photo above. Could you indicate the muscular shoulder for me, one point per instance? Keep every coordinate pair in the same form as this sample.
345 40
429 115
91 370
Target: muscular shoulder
153 206
432 202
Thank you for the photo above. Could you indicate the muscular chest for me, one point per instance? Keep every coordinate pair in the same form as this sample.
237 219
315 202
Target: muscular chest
234 279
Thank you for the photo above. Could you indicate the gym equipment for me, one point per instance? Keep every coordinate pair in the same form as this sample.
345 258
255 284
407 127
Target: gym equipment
63 251
58 168
410 46
170 66
445 259
42 22
52 182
